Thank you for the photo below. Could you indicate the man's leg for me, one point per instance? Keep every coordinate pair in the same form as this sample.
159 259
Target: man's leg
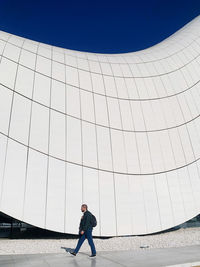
80 242
90 241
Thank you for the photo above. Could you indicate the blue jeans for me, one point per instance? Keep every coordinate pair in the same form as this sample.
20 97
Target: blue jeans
87 234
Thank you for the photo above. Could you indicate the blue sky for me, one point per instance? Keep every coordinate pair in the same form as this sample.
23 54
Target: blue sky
97 26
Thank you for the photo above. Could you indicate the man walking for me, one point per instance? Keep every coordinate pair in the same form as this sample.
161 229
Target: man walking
85 231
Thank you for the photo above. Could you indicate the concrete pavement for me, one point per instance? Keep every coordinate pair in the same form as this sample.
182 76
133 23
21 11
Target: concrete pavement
181 256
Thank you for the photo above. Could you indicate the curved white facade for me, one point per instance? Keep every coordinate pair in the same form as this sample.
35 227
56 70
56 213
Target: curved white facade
118 132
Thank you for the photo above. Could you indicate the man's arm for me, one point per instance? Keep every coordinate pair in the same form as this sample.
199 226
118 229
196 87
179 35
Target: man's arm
80 225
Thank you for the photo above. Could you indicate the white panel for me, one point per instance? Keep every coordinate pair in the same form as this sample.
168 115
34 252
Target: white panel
118 150
193 109
186 74
56 195
27 59
131 88
42 89
168 110
16 40
160 69
8 72
177 147
73 198
70 60
126 70
98 83
5 105
73 135
116 70
196 96
106 68
186 143
58 56
12 52
137 210
195 183
107 203
131 148
149 116
85 80
24 81
104 148
150 87
2 45
4 36
101 112
167 150
195 141
159 86
151 204
3 143
176 197
178 81
156 152
144 154
57 135
184 107
127 119
187 192
94 65
121 88
58 96
143 69
83 64
114 113
176 110
87 106
73 101
164 201
91 194
44 50
137 116
43 65
134 70
159 119
39 128
89 144
58 71
194 66
20 119
14 180
72 76
124 215
35 195
30 45
110 87
197 128
142 90
167 84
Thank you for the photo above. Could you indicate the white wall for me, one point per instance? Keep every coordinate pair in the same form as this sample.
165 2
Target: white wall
118 132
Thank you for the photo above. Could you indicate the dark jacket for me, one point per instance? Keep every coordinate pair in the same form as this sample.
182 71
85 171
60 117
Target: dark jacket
85 222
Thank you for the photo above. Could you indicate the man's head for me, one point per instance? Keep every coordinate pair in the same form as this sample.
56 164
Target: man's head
84 207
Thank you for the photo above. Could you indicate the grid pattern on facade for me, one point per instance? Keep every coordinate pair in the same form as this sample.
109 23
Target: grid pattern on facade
119 132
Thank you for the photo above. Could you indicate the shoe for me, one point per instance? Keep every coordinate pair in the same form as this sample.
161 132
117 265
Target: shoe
93 255
73 253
